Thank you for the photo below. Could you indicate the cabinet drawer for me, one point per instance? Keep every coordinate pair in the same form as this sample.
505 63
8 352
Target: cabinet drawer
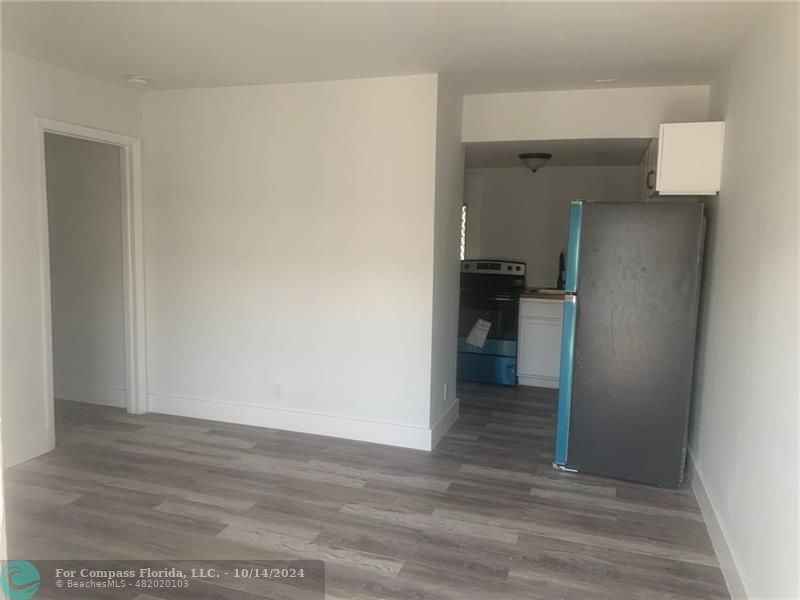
541 309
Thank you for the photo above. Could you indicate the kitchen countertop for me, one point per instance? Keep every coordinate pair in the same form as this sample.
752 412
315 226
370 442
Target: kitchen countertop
533 294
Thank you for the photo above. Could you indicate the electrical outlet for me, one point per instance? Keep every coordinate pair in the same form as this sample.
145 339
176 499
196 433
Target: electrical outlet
277 390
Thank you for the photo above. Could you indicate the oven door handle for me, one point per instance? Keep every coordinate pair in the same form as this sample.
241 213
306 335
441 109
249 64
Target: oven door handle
466 299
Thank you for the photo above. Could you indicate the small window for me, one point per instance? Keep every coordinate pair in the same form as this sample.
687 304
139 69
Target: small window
463 231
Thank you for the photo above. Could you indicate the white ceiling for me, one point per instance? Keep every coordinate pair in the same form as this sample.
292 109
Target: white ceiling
566 153
486 46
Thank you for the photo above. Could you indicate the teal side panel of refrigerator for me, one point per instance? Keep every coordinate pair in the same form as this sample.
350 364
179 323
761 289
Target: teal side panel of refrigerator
565 380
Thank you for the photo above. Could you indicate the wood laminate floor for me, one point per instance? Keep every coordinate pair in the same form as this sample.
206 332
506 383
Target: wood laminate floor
484 516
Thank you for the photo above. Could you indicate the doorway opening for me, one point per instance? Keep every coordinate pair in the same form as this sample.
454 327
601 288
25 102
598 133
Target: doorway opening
92 267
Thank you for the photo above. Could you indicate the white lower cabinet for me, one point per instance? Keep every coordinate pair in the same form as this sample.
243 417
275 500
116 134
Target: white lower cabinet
539 345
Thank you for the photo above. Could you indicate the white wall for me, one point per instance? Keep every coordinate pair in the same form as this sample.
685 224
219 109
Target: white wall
289 255
745 422
522 215
576 114
29 89
446 269
84 202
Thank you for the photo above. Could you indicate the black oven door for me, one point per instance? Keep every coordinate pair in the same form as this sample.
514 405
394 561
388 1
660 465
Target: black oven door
501 309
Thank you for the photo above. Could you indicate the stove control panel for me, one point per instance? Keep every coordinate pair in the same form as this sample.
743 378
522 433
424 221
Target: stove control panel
496 267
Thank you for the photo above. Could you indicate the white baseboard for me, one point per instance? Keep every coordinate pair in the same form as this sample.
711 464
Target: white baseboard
20 445
538 381
378 432
716 532
445 422
91 394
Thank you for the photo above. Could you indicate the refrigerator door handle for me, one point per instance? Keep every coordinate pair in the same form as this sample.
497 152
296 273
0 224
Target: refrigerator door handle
573 245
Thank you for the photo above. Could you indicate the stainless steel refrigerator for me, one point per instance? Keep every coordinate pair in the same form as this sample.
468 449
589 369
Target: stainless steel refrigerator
628 339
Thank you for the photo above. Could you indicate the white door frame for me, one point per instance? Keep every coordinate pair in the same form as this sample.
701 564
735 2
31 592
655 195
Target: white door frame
132 262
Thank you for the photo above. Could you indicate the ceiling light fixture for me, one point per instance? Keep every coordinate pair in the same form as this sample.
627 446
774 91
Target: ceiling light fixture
137 80
535 160
606 80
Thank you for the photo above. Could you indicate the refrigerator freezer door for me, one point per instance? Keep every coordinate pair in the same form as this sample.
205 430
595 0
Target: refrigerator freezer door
634 339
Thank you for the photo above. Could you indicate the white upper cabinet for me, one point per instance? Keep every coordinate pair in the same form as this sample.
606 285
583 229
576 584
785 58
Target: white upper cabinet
685 160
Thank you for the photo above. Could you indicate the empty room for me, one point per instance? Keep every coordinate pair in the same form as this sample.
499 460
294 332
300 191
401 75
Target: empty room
399 300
